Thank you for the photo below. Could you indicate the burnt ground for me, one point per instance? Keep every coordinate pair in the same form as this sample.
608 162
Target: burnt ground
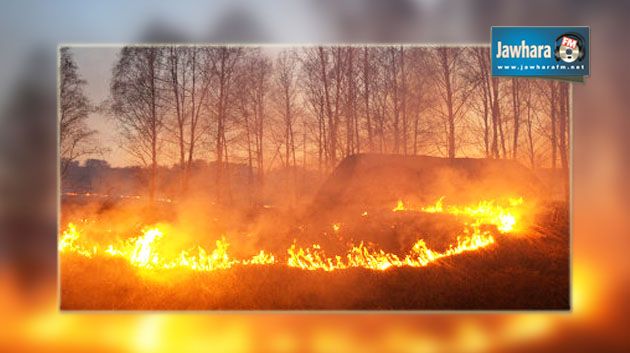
517 273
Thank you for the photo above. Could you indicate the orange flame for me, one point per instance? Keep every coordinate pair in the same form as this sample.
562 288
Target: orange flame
363 257
146 251
504 216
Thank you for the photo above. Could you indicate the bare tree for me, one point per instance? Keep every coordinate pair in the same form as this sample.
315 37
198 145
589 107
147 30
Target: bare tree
394 84
137 105
563 132
315 106
516 111
202 70
366 77
529 123
75 138
563 118
227 60
188 75
552 115
285 80
453 91
323 68
177 77
403 100
314 96
253 91
350 103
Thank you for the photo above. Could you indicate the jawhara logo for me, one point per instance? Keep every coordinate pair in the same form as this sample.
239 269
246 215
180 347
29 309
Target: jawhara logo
570 48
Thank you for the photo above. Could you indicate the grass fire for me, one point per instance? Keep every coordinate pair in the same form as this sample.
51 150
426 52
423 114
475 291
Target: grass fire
310 178
144 251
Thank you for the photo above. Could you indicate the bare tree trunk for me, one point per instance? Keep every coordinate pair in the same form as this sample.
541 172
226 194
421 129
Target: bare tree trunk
491 87
260 118
320 143
179 97
395 100
366 88
403 81
486 125
348 105
154 122
495 117
562 125
250 153
353 106
530 138
517 112
502 138
552 106
178 86
287 126
335 120
136 104
219 138
332 138
486 98
194 118
446 73
562 132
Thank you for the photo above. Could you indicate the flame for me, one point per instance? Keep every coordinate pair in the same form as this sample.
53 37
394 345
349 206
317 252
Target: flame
504 216
145 252
142 252
400 206
148 250
361 256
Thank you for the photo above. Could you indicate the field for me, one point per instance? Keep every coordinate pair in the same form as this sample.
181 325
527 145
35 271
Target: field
525 271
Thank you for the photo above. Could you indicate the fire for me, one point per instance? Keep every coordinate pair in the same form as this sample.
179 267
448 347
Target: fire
504 216
400 206
148 250
141 255
361 256
145 252
68 243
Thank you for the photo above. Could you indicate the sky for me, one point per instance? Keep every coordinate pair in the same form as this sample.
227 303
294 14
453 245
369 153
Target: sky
95 66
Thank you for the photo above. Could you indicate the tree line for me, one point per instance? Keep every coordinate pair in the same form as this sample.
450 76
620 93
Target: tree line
310 107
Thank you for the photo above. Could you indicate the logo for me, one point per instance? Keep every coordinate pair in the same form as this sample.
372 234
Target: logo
569 48
561 52
523 51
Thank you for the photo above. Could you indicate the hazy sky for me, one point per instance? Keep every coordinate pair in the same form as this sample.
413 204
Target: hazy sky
95 66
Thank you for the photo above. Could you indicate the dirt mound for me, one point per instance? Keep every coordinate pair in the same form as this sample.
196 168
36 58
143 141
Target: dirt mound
369 181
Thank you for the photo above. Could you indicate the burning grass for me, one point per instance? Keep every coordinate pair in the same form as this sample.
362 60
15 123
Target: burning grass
155 263
145 251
